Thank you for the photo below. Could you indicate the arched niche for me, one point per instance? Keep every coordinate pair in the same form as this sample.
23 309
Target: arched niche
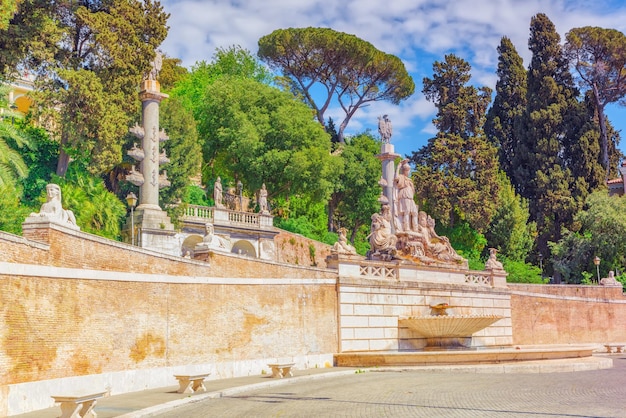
190 243
244 247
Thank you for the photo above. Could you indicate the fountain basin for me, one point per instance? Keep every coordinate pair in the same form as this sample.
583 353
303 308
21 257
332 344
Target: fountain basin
448 332
449 326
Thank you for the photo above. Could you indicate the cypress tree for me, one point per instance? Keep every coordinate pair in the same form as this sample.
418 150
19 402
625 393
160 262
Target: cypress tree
508 105
458 168
551 122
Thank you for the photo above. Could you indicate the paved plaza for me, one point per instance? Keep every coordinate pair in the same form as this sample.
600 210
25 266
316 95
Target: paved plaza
418 393
523 389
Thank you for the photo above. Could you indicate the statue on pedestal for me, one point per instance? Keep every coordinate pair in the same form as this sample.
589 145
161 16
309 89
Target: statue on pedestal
384 129
217 193
342 246
492 263
263 207
53 210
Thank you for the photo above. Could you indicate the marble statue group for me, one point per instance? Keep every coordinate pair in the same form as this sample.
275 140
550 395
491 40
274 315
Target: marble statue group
400 229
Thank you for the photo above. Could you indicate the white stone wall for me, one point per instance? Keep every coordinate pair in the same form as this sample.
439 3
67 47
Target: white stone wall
369 311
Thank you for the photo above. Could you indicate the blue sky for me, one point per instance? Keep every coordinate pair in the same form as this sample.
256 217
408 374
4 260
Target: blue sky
420 32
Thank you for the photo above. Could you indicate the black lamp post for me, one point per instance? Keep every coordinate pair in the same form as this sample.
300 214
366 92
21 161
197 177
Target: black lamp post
13 109
131 199
596 261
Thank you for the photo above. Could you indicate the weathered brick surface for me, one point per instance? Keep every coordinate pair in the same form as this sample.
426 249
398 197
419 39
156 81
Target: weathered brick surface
53 327
565 314
64 326
296 249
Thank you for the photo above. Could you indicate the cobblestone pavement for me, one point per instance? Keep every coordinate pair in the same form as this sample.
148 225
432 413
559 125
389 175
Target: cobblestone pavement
413 393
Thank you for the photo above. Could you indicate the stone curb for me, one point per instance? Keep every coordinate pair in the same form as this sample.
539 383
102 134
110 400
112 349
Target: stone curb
539 366
157 409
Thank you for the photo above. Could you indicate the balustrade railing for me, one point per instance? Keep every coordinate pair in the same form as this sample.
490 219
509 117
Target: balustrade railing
222 216
195 211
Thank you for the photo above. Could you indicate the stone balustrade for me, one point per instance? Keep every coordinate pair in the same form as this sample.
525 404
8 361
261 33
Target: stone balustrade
227 217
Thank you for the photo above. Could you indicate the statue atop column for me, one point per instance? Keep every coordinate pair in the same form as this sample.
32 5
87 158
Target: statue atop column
384 128
156 65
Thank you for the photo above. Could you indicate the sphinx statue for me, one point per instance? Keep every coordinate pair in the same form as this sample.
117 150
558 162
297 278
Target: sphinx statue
211 241
53 211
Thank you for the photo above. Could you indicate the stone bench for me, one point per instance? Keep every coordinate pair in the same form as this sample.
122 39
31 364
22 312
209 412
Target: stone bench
619 348
281 370
191 383
79 406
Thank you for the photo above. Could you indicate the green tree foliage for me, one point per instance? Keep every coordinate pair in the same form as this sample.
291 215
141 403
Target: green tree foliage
552 119
355 198
12 213
13 140
97 210
258 134
457 170
521 272
183 149
508 105
90 57
467 241
599 58
12 165
233 61
41 159
303 215
337 64
510 231
7 10
171 73
602 233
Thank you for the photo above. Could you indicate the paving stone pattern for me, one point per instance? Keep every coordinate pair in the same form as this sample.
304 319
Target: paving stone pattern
414 393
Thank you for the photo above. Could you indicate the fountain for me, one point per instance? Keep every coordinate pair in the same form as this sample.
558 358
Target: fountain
384 299
447 332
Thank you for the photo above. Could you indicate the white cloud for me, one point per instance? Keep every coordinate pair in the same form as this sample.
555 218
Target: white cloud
418 31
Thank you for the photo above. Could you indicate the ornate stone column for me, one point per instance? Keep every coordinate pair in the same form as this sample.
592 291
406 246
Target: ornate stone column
155 229
150 97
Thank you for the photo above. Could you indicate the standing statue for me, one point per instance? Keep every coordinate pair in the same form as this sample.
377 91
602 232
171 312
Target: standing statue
53 210
263 208
217 193
385 129
156 65
406 209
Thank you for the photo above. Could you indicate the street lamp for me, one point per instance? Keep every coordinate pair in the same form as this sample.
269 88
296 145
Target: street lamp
131 199
596 261
13 109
